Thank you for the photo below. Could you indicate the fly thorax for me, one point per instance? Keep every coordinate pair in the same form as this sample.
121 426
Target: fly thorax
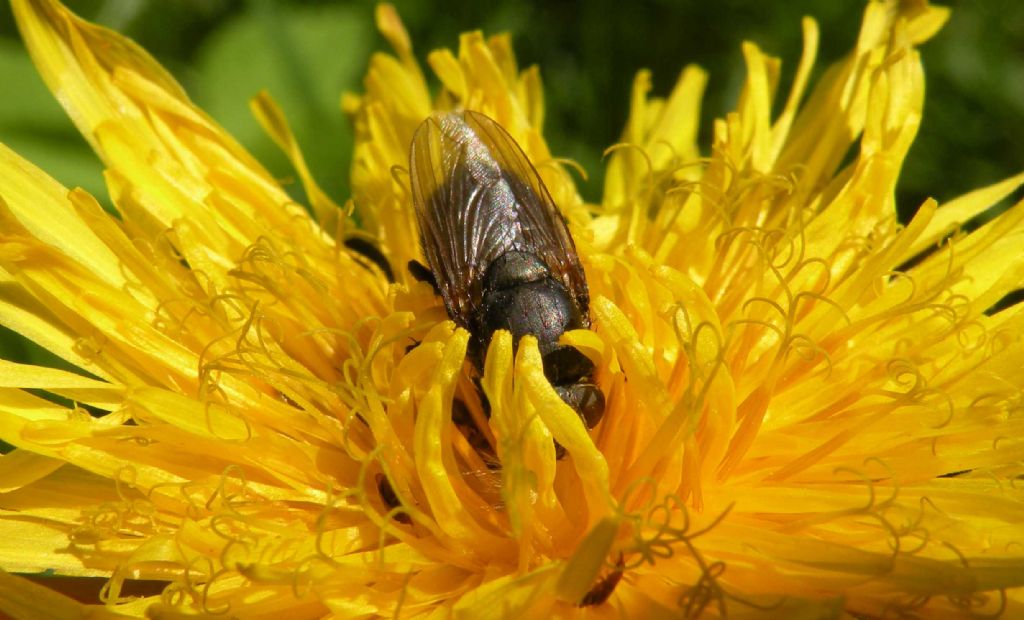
514 268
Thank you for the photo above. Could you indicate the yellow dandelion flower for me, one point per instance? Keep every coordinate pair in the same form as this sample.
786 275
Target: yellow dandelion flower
811 410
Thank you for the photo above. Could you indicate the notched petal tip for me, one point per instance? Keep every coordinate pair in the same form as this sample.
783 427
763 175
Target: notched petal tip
271 117
390 25
143 126
73 54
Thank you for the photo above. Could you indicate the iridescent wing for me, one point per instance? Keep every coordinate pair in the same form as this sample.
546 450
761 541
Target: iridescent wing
476 197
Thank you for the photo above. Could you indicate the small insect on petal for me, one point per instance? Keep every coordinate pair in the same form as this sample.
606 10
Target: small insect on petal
604 587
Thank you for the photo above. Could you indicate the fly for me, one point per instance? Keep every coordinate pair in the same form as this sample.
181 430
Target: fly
499 251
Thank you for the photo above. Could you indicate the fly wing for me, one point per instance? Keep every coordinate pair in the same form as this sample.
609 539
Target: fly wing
464 210
542 228
476 197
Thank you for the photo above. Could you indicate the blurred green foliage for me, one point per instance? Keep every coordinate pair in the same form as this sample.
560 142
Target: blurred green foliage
306 52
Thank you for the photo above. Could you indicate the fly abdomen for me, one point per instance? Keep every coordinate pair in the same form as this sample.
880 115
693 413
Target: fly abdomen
521 296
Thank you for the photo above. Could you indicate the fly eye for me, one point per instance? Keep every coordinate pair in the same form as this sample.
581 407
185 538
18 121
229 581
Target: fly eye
565 364
585 399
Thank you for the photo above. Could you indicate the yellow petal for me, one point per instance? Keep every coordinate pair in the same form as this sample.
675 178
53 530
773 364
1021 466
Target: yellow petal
25 315
144 127
433 461
509 597
583 567
41 206
22 598
566 427
72 386
21 467
961 210
271 117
